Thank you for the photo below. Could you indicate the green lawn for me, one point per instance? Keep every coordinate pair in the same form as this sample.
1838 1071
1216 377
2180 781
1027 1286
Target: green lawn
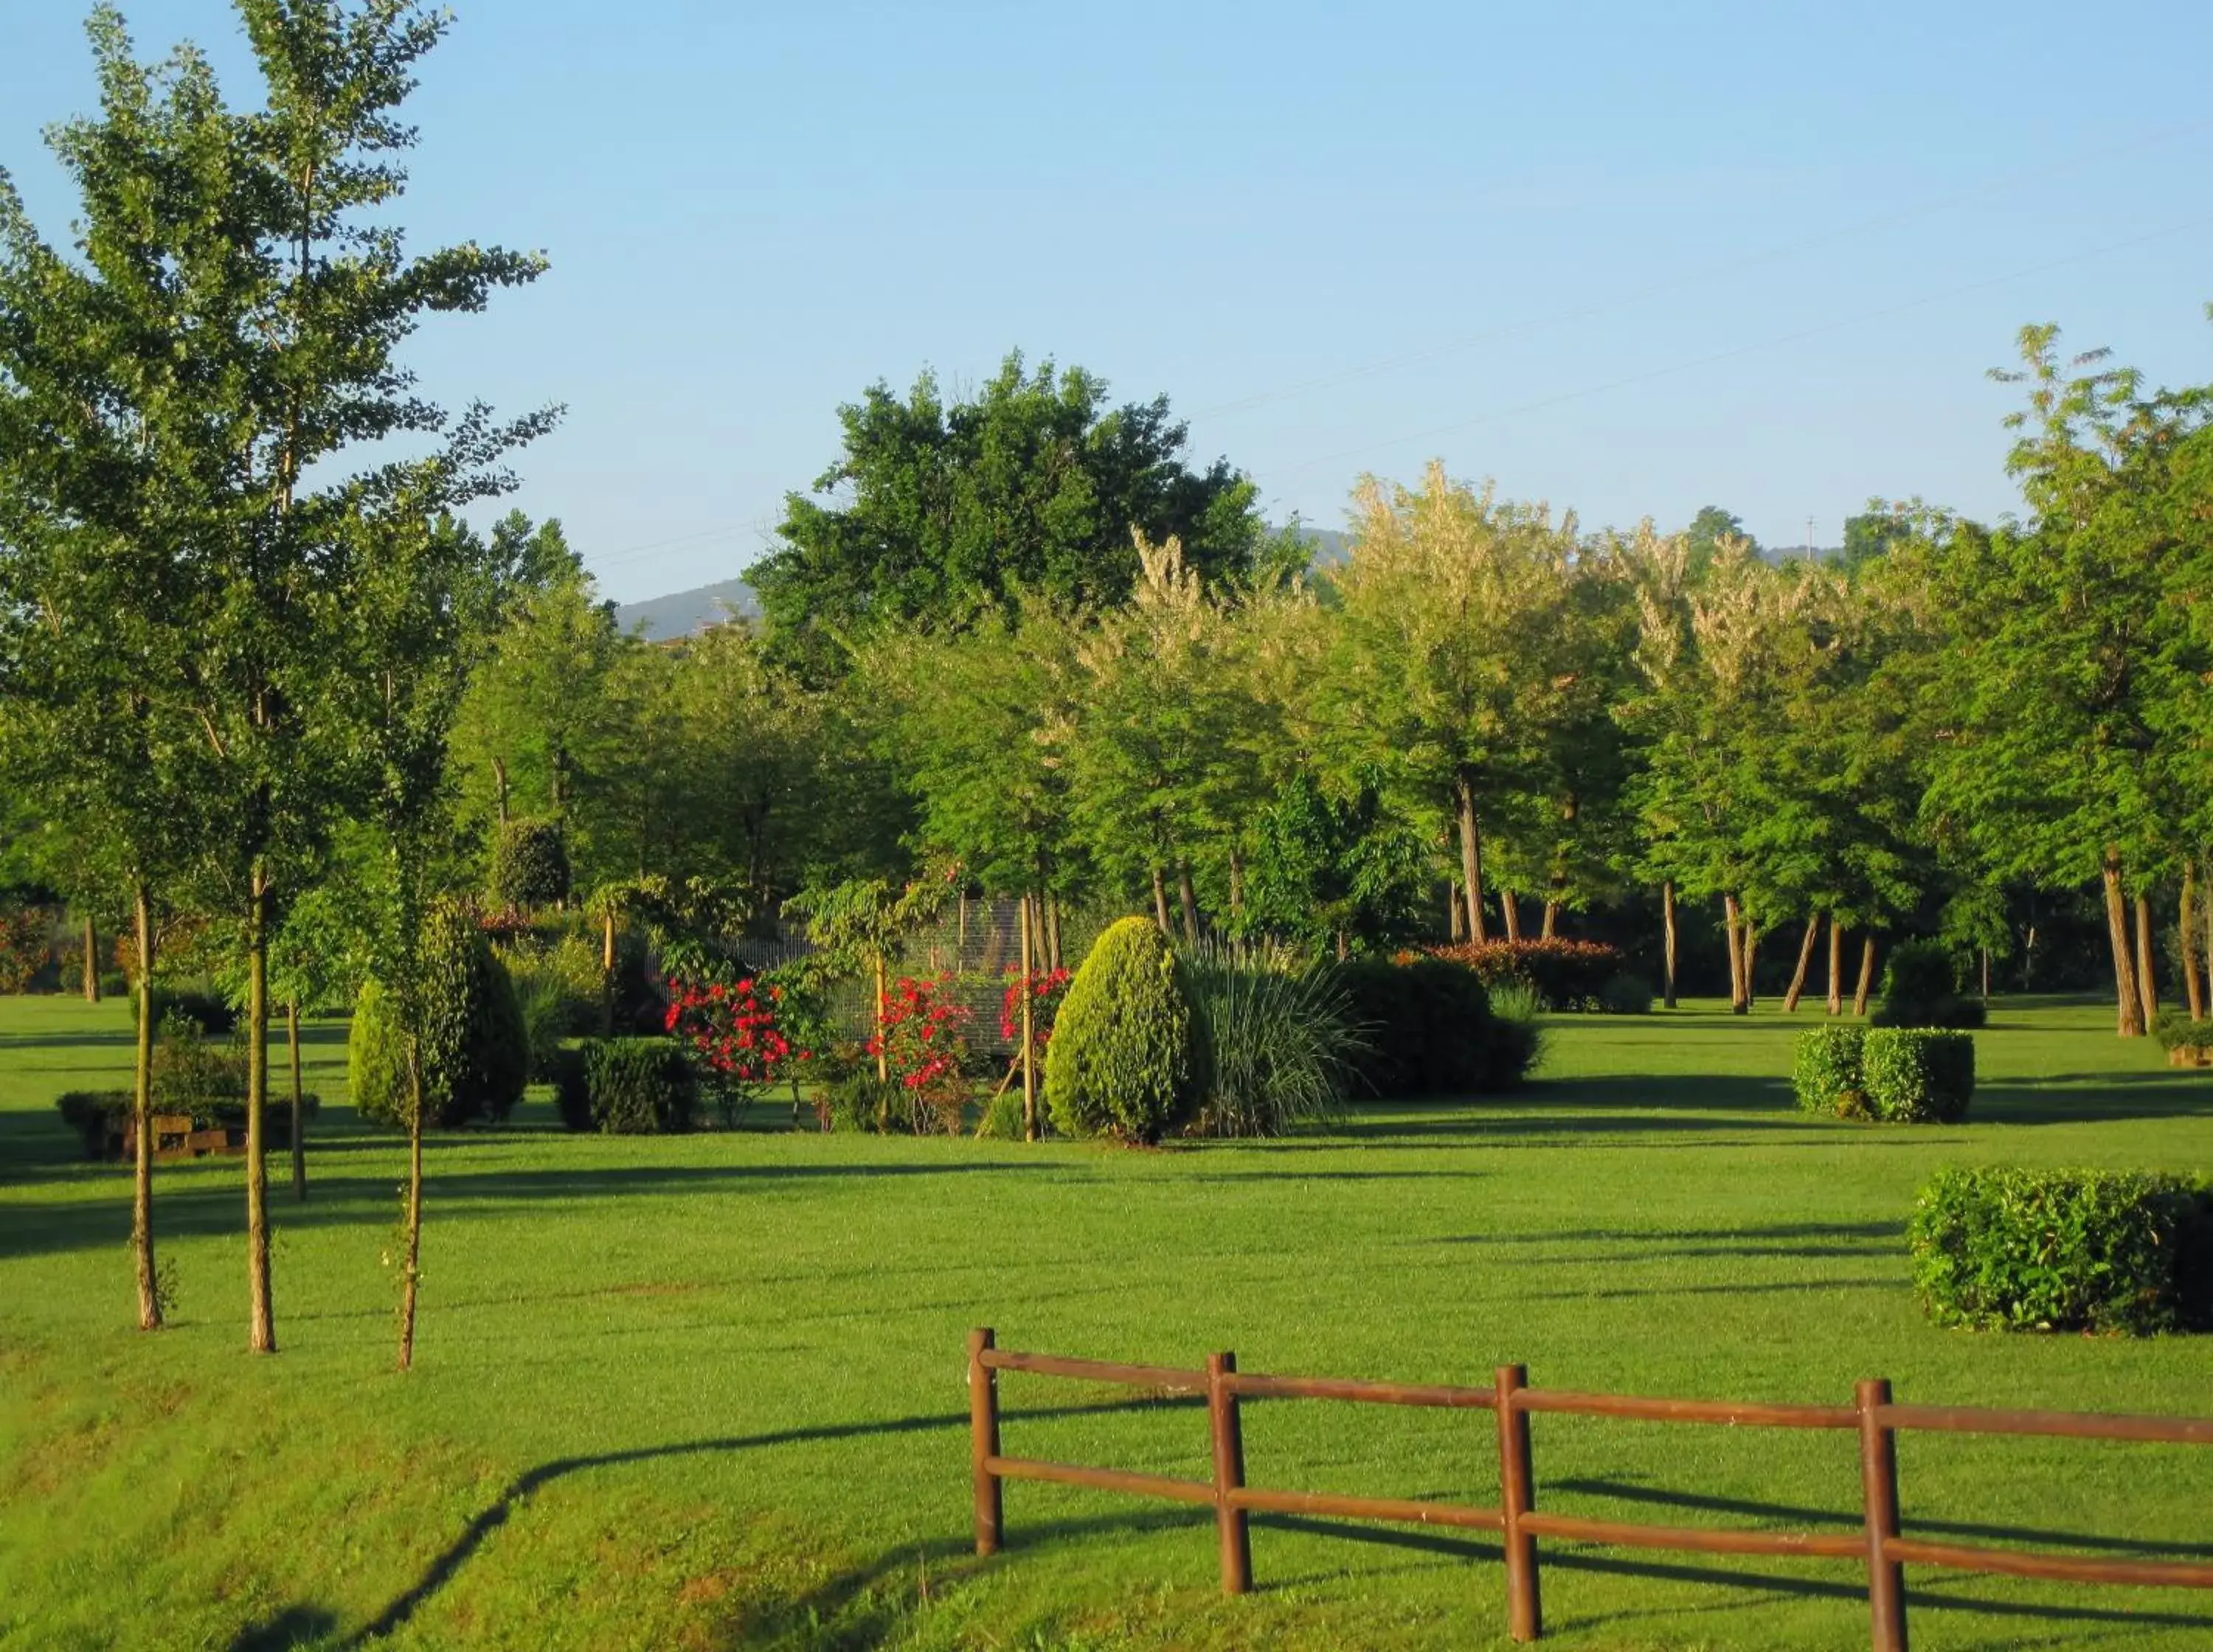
707 1391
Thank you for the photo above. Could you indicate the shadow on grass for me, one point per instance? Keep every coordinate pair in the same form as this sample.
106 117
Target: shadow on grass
2093 1097
1815 1240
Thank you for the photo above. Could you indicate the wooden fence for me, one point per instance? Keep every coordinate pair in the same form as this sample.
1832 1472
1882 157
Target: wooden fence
1880 1546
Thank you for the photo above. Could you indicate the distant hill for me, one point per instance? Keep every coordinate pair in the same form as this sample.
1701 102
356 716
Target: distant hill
681 613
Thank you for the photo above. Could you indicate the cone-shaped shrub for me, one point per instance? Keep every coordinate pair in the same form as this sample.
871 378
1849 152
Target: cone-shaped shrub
1125 1057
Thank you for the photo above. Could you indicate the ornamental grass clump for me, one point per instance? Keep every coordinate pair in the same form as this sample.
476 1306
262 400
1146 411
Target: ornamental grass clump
1127 1058
2005 1248
1276 1027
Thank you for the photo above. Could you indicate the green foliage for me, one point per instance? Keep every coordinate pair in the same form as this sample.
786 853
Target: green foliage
114 984
206 1008
529 865
475 1056
1917 1076
1034 485
1626 994
559 992
1899 1075
1920 989
627 1087
1425 1025
1829 1074
1127 1058
2014 1249
1282 1053
1517 1034
25 946
1002 1116
2180 1036
1326 865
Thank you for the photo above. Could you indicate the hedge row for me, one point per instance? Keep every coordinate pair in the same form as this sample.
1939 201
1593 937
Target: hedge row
1568 975
1426 1028
2065 1250
626 1086
1900 1076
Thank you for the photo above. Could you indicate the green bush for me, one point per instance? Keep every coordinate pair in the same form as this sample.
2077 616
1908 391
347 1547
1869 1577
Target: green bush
1276 1035
1517 1035
114 984
475 1050
2065 1250
1568 975
560 993
1626 994
1002 1116
1425 1027
1919 1076
2188 1043
205 1007
627 1087
1828 1074
1127 1058
1920 989
99 1116
529 865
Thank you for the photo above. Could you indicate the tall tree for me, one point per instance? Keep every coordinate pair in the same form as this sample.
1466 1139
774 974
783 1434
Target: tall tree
939 510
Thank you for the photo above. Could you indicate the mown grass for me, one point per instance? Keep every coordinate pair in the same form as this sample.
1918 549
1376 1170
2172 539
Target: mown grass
707 1391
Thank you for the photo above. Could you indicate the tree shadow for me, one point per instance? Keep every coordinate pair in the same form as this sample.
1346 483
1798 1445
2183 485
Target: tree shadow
2094 1098
295 1626
1799 1240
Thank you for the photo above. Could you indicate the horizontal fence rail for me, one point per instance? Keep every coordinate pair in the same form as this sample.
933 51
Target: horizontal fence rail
1879 1546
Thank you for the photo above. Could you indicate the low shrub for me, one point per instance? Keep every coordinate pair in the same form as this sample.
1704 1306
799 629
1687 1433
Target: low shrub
922 1034
191 1074
1570 975
1626 994
114 984
1425 1024
475 1053
1002 1116
1127 1058
627 1087
2065 1250
529 865
26 947
2188 1043
203 1006
559 992
1517 1036
1828 1074
1276 1032
1920 988
102 1116
1919 1076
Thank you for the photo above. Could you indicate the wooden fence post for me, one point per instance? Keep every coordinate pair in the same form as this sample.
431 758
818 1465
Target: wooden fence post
1517 1495
1879 1493
1230 1522
983 1439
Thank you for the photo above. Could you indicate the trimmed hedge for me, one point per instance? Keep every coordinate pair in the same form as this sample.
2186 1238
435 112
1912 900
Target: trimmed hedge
1569 975
2188 1043
1900 1076
1919 989
627 1087
2013 1249
475 1050
529 865
1428 1028
1126 1059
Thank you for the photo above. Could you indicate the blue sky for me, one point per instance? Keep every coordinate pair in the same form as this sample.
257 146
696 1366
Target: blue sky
1631 258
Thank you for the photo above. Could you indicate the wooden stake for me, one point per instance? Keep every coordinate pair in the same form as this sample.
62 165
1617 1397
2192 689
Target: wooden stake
1230 1522
984 1440
1879 1498
1517 1496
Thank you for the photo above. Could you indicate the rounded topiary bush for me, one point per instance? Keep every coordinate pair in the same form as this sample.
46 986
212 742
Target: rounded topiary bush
1919 1076
1126 1059
529 864
475 1053
627 1087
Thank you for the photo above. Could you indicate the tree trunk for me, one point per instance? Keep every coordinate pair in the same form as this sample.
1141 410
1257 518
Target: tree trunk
1867 974
1051 931
1668 953
1029 1042
2194 985
1509 909
607 941
883 1056
299 1103
2146 962
1835 966
91 962
142 1122
1470 856
1986 974
1805 963
499 786
2129 1016
411 1268
960 934
1161 899
1236 883
1551 921
1455 914
1187 898
1751 958
1733 930
263 1327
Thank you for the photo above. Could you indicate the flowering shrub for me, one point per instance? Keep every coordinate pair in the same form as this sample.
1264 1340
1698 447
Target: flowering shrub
23 949
1046 991
735 1032
1569 975
923 1038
